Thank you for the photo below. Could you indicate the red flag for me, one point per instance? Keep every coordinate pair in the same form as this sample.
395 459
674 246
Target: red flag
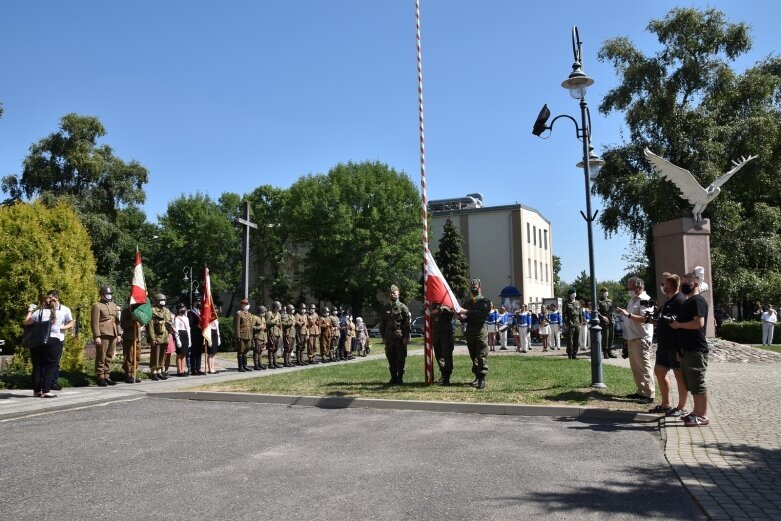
437 289
208 315
138 286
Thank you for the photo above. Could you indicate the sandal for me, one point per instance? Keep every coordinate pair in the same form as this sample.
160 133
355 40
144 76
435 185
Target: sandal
661 409
696 421
675 412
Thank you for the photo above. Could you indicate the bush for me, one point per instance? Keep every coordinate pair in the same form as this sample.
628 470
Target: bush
43 248
226 334
748 332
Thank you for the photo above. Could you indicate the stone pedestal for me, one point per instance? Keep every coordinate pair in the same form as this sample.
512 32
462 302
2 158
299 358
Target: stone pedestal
679 246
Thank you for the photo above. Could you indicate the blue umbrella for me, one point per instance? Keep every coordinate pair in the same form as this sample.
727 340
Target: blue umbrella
510 292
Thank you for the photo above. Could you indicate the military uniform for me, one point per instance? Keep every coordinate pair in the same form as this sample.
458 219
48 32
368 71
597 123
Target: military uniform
607 321
288 336
477 309
274 330
395 328
326 332
259 338
572 317
442 333
105 330
313 329
337 338
242 335
157 331
302 334
131 351
348 343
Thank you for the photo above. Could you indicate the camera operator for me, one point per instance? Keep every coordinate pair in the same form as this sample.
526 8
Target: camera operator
667 348
638 332
693 348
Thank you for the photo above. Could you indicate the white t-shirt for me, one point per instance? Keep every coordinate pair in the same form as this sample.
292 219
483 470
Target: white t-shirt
769 317
62 317
635 330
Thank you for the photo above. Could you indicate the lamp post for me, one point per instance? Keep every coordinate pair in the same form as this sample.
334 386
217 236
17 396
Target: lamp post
188 277
577 83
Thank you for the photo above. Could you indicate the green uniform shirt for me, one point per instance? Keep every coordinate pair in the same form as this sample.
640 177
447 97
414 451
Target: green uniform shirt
395 321
242 325
605 311
158 328
287 326
274 323
572 313
477 314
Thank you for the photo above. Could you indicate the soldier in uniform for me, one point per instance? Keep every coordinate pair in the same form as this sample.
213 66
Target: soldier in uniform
326 333
242 334
302 333
288 334
572 317
105 331
607 321
350 341
259 338
157 330
442 332
475 313
129 337
313 328
274 331
337 337
395 328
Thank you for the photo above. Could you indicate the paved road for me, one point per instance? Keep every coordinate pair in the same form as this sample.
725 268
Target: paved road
174 459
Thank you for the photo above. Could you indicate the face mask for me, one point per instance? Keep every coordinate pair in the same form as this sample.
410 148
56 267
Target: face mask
162 303
662 288
603 296
572 297
245 308
687 287
474 291
107 297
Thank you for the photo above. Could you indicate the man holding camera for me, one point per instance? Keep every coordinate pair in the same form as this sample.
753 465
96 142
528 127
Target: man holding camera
638 333
667 348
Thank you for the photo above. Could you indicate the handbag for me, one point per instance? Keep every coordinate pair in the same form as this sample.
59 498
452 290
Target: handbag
37 333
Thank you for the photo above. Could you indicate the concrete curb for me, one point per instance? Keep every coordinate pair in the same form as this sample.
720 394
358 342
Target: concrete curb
68 406
335 402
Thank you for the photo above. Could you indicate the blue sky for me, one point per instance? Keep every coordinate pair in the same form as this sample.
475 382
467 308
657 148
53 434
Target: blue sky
226 96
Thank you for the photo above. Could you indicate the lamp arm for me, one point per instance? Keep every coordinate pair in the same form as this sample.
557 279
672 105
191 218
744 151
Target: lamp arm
578 130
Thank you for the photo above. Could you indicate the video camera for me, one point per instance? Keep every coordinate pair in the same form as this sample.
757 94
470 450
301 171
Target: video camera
655 313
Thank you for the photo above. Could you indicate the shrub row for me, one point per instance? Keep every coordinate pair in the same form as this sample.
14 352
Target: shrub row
748 332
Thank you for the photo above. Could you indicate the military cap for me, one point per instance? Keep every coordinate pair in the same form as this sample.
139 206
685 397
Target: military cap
603 288
571 291
474 282
244 301
159 297
105 290
394 287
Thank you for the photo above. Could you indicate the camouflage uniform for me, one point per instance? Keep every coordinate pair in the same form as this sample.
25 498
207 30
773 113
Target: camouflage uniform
607 322
476 310
572 317
395 328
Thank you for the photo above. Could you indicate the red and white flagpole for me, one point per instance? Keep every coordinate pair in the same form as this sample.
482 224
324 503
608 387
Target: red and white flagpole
427 347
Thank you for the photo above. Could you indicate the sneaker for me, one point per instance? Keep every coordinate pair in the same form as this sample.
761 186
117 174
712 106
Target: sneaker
696 421
675 412
48 395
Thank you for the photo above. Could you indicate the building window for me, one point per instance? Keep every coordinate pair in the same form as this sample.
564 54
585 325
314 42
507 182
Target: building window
540 237
530 268
534 234
546 239
528 237
535 270
546 273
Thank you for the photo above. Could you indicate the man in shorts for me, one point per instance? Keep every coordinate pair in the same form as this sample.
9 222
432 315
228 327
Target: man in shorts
667 349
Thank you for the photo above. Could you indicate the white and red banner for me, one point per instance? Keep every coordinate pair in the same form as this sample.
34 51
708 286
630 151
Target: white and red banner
138 286
208 315
437 289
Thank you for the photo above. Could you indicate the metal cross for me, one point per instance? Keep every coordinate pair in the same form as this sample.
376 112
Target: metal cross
247 224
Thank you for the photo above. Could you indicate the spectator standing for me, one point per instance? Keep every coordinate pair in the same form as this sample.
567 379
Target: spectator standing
554 317
46 357
638 333
585 340
361 336
543 329
769 319
667 349
491 322
503 320
523 325
182 327
693 348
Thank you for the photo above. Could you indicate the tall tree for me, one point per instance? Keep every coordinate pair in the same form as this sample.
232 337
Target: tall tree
451 260
686 104
361 224
70 165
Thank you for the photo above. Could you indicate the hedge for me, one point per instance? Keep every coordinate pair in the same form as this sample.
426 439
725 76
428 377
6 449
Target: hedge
748 332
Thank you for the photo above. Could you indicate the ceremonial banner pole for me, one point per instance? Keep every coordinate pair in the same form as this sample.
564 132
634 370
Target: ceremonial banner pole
427 347
134 351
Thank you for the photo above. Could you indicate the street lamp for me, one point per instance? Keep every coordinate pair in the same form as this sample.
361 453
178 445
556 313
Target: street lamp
188 277
577 84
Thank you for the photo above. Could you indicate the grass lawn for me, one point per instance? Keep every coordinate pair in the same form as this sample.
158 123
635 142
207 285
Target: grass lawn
776 348
511 379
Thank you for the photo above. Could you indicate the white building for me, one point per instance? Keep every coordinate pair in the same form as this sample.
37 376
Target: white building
510 245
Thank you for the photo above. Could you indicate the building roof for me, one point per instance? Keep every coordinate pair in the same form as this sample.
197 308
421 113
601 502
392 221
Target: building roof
484 209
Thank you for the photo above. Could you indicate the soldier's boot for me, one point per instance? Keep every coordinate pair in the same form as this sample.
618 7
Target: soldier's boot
287 360
475 381
400 378
393 377
271 364
244 361
300 358
481 383
445 381
255 365
239 362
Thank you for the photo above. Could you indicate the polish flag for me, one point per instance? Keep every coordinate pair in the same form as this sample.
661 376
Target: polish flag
437 289
138 286
208 315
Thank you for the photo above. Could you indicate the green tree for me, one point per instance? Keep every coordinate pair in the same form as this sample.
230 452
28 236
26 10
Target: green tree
361 225
196 231
686 104
451 260
43 248
556 270
71 165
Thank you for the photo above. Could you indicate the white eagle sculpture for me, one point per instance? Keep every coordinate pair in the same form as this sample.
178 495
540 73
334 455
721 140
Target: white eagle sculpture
690 189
